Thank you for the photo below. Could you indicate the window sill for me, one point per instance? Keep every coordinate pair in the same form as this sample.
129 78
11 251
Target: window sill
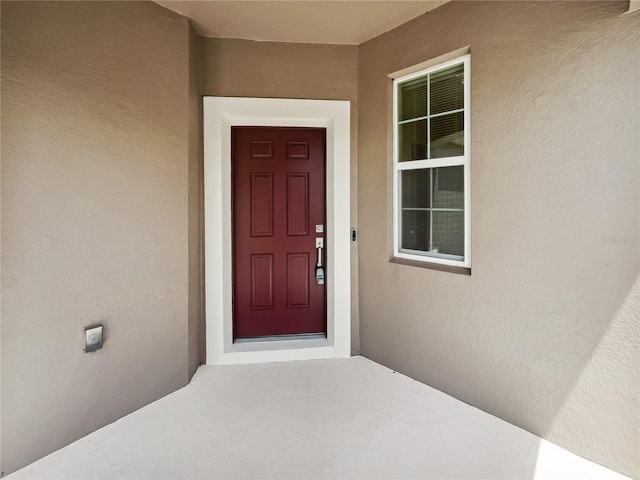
431 266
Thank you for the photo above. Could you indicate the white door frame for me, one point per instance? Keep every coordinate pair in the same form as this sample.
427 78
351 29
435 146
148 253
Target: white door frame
220 114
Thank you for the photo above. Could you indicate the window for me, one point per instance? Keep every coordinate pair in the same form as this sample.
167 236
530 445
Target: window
431 164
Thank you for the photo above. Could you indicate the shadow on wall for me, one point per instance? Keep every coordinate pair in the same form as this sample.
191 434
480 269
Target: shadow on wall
580 280
612 362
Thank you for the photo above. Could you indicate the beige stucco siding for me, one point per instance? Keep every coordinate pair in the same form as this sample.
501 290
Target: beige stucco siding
544 333
95 224
196 207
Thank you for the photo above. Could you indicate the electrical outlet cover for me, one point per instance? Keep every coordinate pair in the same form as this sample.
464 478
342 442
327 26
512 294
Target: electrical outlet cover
93 338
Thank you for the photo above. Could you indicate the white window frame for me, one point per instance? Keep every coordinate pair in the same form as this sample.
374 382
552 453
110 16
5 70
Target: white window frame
463 161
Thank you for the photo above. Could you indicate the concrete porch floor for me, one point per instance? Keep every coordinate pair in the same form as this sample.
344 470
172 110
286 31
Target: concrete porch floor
346 418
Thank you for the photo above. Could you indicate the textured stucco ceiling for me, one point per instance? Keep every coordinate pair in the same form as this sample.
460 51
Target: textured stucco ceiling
336 22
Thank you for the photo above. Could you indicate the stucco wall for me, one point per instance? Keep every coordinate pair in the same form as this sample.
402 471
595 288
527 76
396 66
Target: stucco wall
196 211
95 223
544 333
244 68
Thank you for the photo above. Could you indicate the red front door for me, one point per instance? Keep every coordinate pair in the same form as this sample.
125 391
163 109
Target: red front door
278 200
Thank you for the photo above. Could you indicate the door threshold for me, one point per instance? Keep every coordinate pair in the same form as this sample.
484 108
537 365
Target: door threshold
277 338
278 349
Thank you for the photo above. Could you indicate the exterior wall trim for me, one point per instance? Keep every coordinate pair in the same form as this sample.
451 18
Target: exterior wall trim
220 114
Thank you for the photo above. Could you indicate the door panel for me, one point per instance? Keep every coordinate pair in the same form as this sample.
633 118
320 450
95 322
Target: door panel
261 192
278 199
262 281
298 276
297 204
